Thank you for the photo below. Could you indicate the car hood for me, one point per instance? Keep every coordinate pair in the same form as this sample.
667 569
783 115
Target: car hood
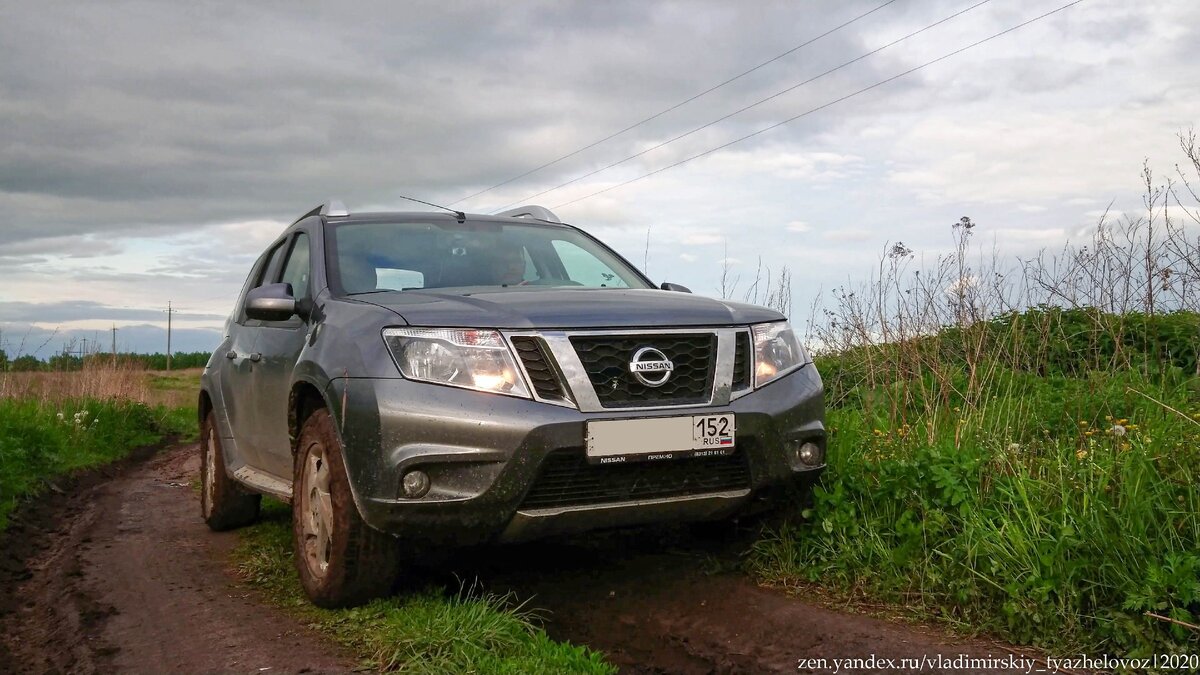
543 308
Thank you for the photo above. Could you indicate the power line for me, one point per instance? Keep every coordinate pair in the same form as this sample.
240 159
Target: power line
677 105
823 106
752 105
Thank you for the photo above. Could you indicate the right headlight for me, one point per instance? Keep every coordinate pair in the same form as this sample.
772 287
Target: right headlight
777 351
460 357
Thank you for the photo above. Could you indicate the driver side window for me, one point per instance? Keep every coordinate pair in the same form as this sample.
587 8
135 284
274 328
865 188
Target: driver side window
586 269
296 271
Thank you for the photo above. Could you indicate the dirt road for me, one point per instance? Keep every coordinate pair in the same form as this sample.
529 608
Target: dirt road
121 575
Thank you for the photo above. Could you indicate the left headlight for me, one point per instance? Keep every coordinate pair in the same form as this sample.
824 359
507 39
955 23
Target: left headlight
777 352
460 357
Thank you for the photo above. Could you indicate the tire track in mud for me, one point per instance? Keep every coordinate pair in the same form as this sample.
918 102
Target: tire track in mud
646 600
127 578
119 573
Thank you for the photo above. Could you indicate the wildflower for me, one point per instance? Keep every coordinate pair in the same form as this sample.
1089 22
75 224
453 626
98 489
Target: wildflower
1117 430
1132 427
60 417
1014 447
1122 421
1083 423
1081 454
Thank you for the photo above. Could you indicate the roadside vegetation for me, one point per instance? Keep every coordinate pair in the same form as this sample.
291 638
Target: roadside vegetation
52 424
1016 449
432 631
69 360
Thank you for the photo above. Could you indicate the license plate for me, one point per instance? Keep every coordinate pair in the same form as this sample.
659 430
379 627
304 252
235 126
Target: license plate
659 438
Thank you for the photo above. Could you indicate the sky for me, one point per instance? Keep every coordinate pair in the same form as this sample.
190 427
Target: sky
150 151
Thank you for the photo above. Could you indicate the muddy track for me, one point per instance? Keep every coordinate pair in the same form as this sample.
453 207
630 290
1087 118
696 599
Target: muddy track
127 578
117 573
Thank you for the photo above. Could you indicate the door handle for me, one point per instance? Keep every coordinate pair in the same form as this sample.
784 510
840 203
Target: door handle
256 357
231 354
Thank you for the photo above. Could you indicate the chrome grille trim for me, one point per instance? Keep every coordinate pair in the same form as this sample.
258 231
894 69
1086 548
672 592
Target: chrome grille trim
579 385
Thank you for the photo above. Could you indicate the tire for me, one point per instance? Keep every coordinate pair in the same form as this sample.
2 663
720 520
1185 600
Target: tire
224 504
342 561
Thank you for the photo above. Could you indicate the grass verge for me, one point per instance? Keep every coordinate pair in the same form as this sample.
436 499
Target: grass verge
1052 510
41 440
432 631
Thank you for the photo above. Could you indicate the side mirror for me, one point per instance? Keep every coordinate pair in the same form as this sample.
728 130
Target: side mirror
668 286
271 302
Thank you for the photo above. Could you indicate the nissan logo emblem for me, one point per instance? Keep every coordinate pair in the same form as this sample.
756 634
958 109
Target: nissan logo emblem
651 367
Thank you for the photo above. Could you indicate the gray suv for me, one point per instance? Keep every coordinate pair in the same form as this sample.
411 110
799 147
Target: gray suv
409 380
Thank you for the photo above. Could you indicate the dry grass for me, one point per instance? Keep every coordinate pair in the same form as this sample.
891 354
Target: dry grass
103 381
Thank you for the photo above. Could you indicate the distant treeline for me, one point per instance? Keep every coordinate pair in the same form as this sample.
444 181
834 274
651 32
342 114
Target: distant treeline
67 362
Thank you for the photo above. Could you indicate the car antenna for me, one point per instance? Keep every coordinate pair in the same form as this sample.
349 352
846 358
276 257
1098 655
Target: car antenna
462 217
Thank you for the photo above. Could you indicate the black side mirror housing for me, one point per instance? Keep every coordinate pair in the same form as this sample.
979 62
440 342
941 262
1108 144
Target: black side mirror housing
271 302
668 286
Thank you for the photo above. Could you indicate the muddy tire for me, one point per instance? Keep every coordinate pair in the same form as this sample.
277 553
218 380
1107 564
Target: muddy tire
341 560
224 504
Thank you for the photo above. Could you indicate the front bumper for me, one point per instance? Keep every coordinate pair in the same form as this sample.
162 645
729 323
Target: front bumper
484 452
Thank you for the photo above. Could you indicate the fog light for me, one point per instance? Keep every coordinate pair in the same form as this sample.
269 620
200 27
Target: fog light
415 484
809 454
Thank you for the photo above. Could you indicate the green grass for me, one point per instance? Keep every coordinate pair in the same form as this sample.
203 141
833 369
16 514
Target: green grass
1054 511
41 441
434 631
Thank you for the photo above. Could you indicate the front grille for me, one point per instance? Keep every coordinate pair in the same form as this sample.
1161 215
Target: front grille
566 479
741 362
606 361
536 359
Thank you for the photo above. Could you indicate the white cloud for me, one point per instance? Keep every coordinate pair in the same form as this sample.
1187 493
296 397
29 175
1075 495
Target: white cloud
798 226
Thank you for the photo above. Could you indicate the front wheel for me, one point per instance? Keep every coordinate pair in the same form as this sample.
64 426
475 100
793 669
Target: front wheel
341 560
224 505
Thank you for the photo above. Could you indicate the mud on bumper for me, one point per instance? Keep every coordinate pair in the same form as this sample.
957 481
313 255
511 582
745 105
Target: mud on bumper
510 469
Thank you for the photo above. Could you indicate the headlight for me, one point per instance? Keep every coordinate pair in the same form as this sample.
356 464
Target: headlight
460 357
777 352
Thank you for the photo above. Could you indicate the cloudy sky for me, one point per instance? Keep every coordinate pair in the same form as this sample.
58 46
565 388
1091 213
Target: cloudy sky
150 150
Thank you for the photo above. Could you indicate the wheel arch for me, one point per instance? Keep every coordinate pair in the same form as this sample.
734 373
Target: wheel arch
204 405
303 399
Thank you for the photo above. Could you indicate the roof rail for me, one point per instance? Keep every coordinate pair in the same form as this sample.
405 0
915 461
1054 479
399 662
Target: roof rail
332 208
531 211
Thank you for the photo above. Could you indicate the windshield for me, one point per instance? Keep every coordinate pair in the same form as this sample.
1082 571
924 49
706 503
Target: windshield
371 257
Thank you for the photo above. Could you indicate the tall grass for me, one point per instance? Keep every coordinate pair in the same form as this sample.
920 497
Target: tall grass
52 424
1016 447
98 379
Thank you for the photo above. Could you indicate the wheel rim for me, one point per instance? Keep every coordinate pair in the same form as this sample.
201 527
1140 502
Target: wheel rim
317 512
210 473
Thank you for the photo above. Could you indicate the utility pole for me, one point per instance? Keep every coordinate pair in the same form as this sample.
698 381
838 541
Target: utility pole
114 345
169 313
